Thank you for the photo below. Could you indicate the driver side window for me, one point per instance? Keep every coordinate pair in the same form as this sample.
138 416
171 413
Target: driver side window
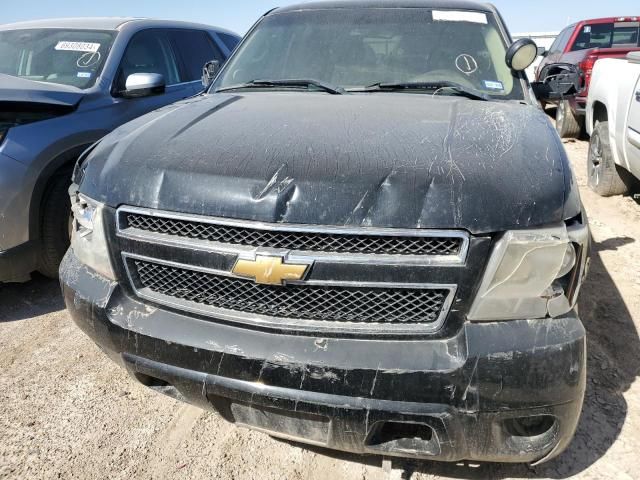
149 52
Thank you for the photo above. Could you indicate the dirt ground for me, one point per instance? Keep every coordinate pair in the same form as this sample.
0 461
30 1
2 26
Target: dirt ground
67 412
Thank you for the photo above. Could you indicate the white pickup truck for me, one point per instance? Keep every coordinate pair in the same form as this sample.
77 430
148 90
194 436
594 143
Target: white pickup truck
613 122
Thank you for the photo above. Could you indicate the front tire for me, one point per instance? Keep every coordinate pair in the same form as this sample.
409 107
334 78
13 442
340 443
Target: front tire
605 177
567 124
55 225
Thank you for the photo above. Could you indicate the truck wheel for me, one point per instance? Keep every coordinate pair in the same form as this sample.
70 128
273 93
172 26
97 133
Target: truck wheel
567 124
605 177
55 225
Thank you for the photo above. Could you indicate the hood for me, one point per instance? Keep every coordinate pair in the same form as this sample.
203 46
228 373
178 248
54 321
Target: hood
21 90
383 160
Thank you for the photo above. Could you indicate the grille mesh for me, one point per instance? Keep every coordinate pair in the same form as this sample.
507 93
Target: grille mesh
336 304
306 241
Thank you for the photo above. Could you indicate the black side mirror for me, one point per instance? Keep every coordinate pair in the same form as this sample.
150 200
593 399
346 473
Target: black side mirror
209 72
521 54
542 52
559 80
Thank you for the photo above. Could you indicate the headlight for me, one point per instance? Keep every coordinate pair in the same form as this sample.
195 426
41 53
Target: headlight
532 274
88 240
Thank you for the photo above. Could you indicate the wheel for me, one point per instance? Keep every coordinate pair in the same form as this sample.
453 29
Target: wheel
55 225
605 177
567 124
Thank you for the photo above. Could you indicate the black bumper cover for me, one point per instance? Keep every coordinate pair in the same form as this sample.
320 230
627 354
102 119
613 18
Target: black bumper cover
449 399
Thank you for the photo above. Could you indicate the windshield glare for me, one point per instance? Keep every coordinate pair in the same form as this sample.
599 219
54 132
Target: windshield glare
68 57
354 48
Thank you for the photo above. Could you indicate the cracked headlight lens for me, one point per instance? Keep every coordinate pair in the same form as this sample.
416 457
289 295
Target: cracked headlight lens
526 276
569 260
88 238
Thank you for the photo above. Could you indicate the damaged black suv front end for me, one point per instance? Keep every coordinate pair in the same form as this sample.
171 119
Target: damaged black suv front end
357 356
364 269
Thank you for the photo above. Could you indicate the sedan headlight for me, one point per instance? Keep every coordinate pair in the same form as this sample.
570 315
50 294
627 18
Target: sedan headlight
88 239
533 274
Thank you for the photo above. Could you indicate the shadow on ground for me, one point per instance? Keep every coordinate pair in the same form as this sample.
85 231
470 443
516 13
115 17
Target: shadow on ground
21 301
613 365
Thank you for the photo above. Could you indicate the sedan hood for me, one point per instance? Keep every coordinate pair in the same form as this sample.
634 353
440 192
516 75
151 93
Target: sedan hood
383 160
21 90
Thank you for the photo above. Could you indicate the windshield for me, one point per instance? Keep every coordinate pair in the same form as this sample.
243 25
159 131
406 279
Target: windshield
355 48
69 57
608 35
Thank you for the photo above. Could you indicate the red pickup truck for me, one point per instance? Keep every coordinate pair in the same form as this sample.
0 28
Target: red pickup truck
583 44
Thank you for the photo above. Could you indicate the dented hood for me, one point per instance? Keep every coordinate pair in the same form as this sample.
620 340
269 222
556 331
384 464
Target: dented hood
384 160
22 90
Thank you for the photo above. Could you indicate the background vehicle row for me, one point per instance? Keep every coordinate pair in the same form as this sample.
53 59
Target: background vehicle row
64 84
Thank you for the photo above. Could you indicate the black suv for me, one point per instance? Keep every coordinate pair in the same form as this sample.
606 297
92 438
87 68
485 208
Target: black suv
365 236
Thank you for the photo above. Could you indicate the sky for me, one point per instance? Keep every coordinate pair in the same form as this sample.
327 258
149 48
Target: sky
520 16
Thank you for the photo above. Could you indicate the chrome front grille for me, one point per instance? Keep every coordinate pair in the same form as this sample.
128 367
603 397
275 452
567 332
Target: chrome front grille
358 280
321 303
297 240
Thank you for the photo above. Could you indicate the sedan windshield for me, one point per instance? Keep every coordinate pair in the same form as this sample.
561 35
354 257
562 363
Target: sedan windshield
352 49
68 57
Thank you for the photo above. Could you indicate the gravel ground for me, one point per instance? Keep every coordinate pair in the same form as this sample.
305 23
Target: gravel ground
67 412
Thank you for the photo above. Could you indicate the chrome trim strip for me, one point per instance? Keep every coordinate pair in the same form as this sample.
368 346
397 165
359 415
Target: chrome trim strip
297 255
289 324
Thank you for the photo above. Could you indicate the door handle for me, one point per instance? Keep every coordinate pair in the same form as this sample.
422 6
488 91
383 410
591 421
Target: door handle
638 96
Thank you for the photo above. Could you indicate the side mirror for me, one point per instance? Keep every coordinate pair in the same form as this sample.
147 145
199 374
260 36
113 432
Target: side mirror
144 85
559 80
542 52
521 54
209 72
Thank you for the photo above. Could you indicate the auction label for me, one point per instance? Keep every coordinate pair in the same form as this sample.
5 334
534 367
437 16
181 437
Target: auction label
459 16
78 46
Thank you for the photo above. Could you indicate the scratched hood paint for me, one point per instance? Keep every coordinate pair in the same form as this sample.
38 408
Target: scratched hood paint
384 160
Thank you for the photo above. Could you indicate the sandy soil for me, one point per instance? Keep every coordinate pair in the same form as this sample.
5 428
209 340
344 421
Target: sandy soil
67 412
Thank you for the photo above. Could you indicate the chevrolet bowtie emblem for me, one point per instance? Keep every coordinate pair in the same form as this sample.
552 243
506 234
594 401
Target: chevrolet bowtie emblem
269 270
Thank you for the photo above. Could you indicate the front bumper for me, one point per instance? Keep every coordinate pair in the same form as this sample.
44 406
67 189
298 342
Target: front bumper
469 397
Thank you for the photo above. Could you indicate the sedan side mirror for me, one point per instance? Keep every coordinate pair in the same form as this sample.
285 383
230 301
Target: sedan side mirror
209 72
542 52
559 80
144 85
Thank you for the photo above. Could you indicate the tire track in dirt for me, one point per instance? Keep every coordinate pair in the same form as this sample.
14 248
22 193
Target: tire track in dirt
165 459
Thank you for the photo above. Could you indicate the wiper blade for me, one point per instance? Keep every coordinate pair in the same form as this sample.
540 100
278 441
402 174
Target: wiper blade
458 88
325 87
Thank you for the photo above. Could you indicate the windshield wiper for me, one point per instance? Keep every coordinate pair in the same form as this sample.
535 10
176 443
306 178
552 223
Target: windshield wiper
458 88
325 87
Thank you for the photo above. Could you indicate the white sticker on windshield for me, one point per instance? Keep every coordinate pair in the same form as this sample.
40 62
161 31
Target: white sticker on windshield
459 16
78 46
84 74
493 85
587 29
